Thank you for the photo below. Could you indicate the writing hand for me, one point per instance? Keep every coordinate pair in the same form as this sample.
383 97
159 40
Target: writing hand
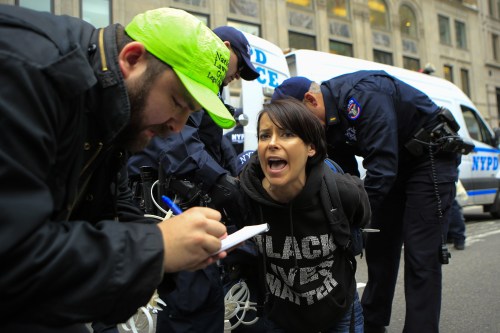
191 238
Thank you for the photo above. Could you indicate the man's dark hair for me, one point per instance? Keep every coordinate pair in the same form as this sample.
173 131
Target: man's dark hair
293 115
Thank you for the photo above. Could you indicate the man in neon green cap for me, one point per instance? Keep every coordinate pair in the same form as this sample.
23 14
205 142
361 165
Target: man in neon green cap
75 101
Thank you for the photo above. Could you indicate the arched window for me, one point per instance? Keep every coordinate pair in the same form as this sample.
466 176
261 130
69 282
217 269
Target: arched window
301 3
379 16
408 22
338 8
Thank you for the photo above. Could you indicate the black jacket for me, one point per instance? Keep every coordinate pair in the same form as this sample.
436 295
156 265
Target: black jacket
64 257
372 114
307 279
195 153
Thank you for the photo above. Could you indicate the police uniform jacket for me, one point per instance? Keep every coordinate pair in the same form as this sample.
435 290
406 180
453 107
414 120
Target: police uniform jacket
64 259
372 114
195 153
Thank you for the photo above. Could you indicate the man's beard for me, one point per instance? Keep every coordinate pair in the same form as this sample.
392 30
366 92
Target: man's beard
132 137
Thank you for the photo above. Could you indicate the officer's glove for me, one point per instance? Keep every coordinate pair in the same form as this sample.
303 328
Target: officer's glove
226 197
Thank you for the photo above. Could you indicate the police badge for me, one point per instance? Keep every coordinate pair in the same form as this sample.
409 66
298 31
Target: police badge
353 109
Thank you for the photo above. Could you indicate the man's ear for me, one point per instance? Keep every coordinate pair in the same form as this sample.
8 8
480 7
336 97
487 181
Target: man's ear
132 57
310 98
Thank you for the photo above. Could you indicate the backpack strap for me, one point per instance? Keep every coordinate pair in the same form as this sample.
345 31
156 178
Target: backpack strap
330 198
334 166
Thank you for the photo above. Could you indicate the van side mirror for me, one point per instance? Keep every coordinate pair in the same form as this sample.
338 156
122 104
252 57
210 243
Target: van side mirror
496 130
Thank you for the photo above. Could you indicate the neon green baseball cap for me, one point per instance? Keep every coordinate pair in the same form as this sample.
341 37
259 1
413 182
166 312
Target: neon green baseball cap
198 57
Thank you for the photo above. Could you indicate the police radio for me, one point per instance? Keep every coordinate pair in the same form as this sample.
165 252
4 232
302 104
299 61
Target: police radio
446 134
444 254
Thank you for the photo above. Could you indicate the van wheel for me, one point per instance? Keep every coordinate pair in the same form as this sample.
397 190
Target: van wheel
494 209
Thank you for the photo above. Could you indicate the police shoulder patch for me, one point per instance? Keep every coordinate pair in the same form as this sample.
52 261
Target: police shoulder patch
353 109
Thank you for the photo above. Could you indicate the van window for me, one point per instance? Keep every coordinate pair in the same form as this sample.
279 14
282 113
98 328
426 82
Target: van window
476 127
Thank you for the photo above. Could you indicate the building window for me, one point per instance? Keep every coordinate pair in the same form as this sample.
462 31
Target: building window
448 72
344 49
338 8
96 12
244 7
246 27
195 3
490 8
301 3
383 57
495 45
411 63
203 18
301 41
40 5
461 37
408 22
464 77
444 30
379 16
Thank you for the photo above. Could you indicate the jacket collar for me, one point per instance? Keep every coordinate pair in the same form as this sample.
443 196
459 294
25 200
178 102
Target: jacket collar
331 112
111 102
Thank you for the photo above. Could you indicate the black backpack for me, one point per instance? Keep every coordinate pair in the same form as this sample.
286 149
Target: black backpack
346 236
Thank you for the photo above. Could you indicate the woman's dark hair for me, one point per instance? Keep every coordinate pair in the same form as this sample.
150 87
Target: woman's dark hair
291 114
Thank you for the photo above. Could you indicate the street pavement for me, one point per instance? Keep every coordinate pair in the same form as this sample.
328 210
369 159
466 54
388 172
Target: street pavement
471 287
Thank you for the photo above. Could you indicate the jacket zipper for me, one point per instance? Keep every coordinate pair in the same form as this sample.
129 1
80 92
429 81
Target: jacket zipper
85 183
102 51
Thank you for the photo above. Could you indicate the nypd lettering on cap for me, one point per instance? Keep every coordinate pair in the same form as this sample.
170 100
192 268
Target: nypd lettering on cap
353 109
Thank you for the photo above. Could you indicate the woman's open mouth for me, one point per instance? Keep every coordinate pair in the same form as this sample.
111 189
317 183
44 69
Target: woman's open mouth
276 164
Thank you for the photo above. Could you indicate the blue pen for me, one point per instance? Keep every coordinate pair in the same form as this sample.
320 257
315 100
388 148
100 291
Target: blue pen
176 209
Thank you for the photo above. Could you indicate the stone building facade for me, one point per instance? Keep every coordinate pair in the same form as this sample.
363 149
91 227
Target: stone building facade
456 39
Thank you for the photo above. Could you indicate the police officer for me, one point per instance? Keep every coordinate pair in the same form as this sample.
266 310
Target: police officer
197 156
410 180
237 135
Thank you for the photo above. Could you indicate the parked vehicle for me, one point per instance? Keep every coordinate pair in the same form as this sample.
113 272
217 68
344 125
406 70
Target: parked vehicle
270 62
479 170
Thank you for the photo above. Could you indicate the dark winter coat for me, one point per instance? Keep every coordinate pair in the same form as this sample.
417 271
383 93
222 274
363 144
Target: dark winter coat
64 257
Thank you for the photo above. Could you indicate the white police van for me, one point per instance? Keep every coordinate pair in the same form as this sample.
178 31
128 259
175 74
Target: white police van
269 60
479 170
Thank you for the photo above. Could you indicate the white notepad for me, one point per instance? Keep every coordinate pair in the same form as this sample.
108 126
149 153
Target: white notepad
241 235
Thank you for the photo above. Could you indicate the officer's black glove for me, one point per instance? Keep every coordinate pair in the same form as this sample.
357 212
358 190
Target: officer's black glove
226 197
